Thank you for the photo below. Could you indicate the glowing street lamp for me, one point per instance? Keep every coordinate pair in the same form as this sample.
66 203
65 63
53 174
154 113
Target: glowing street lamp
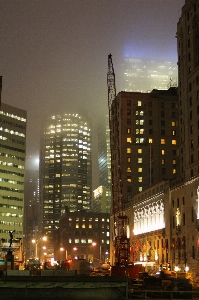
95 244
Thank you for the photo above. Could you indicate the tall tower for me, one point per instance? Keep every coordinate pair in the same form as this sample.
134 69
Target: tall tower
12 168
188 77
148 138
65 168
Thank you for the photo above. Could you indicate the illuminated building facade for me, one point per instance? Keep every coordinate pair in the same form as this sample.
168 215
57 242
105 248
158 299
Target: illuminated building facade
31 211
164 218
65 168
104 160
99 201
144 75
84 235
148 137
12 168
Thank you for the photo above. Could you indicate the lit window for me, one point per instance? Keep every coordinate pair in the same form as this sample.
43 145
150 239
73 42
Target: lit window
83 241
90 226
162 141
173 123
83 225
139 179
137 122
139 160
141 122
128 159
57 175
77 225
141 131
128 178
96 219
128 170
174 171
174 161
173 142
141 140
128 130
140 170
163 161
129 140
139 103
163 152
140 151
128 150
76 241
141 113
137 131
150 141
107 233
173 132
140 188
70 241
90 241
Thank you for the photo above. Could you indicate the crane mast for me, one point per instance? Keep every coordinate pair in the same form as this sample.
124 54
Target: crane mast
121 241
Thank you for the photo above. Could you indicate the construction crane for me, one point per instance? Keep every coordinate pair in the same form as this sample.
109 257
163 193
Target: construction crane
121 241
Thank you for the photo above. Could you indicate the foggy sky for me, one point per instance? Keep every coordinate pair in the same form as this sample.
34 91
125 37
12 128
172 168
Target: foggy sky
54 53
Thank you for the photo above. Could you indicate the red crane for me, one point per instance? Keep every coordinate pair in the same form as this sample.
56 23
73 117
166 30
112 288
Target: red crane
121 241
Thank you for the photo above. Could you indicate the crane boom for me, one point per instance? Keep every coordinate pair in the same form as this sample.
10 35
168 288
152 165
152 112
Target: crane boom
122 243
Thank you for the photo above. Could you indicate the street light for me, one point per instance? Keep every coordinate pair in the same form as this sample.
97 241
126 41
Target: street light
100 247
34 241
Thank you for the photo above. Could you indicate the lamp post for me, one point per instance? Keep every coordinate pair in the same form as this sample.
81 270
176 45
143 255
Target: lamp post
100 248
36 242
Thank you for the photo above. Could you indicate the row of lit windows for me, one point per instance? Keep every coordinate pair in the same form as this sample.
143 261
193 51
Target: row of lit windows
12 156
6 214
11 223
12 198
83 219
12 132
12 173
9 164
11 140
11 181
12 116
11 206
86 241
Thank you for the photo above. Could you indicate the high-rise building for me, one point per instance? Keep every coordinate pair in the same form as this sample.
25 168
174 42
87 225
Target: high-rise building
12 166
144 75
146 127
188 77
65 168
104 160
31 211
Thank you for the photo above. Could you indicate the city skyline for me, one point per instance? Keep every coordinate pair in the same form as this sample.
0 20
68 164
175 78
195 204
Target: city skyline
54 55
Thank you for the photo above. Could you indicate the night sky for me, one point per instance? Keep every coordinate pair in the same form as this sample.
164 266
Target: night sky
54 53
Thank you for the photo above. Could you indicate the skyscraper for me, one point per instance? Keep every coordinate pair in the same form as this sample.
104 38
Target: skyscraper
146 127
65 168
144 75
104 159
188 74
12 165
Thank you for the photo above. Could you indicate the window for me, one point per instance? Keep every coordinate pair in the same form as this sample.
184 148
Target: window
128 150
128 112
139 170
150 122
139 103
128 159
129 140
162 114
128 121
140 151
128 178
163 152
139 179
174 142
139 160
173 132
128 130
128 170
128 102
163 161
162 141
162 132
162 123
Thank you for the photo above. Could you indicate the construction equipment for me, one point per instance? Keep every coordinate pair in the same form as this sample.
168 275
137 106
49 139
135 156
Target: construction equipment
121 241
